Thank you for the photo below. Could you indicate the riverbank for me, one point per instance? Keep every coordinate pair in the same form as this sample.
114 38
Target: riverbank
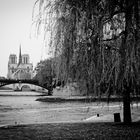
72 131
83 99
24 118
70 121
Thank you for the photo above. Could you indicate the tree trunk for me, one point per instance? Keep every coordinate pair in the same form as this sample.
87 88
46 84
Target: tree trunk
127 47
126 107
87 86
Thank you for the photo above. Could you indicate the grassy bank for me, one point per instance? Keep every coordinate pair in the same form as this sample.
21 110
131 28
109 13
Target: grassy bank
72 131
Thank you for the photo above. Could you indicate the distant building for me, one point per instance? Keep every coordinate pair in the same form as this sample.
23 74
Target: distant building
22 69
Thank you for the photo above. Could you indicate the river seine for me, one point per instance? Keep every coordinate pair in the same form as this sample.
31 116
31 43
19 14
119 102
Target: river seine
22 108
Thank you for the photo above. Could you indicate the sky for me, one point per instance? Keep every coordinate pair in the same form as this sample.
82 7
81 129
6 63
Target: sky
16 29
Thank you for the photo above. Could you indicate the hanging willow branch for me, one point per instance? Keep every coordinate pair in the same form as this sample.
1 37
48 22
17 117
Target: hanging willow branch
78 30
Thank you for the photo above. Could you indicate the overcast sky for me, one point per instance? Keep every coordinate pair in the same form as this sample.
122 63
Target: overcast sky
15 29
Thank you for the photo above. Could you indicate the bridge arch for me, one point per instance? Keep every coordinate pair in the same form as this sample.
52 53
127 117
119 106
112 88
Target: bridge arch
25 87
4 82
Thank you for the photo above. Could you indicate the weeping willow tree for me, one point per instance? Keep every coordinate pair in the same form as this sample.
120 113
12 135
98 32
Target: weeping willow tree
97 44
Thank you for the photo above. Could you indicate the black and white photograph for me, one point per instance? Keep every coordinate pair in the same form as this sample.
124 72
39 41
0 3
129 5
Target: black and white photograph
69 70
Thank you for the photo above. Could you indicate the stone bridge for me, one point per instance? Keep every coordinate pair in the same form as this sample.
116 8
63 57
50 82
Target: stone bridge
19 84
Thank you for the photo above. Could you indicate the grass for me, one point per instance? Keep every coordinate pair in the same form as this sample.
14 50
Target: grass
72 131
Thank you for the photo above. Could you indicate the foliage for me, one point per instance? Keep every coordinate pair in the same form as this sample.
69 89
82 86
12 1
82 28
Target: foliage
86 34
44 72
97 43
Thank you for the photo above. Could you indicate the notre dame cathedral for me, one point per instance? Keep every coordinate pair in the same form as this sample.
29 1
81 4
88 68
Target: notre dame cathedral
22 69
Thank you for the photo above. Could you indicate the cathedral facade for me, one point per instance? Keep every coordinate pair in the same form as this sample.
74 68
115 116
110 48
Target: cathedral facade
22 69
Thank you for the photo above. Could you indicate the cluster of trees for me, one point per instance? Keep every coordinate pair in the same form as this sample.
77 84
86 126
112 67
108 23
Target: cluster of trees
45 74
97 43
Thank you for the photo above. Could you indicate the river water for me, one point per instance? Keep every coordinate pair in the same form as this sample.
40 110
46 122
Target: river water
18 108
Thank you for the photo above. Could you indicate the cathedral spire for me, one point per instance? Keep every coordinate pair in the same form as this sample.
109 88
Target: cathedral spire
20 57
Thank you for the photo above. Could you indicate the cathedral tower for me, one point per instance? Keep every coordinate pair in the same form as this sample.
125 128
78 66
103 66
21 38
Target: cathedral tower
20 57
21 70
